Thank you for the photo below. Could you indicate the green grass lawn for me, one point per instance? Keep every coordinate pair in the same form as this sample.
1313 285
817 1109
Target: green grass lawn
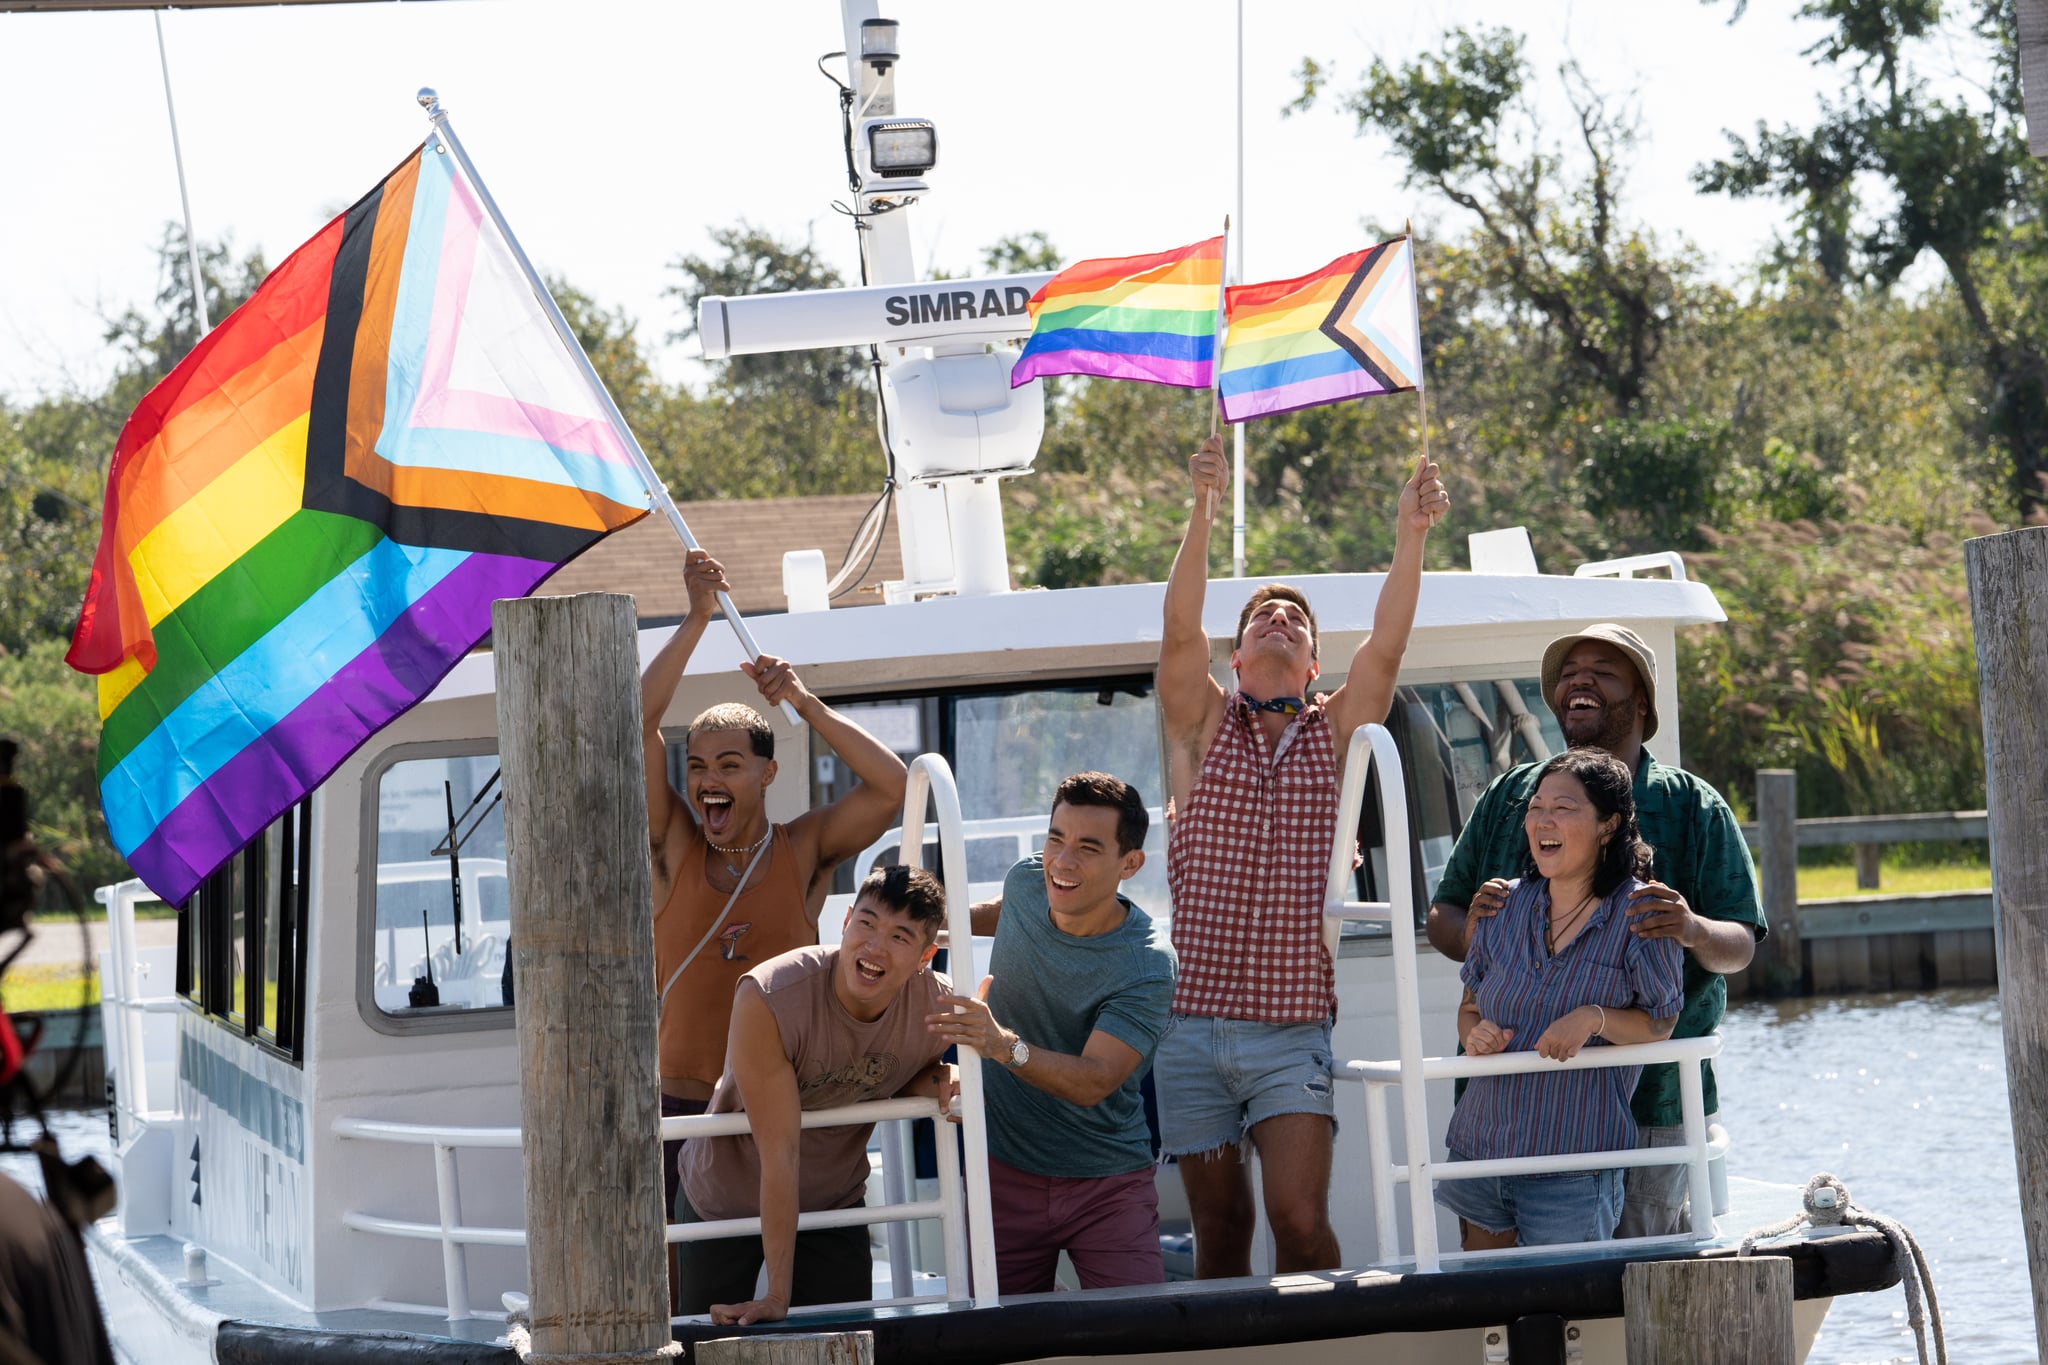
47 986
1828 883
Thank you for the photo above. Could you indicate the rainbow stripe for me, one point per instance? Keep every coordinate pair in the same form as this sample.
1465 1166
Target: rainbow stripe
307 521
1345 331
1129 317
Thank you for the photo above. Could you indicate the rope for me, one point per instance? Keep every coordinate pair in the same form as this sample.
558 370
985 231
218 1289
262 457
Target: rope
520 1339
1825 1203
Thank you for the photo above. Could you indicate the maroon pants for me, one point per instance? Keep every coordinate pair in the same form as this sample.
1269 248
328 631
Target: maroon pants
1108 1226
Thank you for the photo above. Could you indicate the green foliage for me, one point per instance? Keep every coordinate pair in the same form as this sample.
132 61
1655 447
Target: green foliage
1020 253
55 715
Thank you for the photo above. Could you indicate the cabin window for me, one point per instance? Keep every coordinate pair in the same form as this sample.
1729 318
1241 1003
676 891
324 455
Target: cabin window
441 910
1455 738
241 937
1009 747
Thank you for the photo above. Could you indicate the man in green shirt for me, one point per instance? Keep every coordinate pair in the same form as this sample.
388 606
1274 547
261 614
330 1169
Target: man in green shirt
1601 683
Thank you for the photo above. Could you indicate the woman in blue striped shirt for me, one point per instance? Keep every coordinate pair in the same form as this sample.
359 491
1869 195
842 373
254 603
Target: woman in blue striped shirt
1555 971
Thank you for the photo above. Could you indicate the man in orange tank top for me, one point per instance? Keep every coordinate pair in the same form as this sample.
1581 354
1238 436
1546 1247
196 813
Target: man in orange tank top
732 889
1246 1053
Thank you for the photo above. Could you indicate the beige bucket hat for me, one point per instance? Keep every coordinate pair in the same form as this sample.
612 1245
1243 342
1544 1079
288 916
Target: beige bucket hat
1623 639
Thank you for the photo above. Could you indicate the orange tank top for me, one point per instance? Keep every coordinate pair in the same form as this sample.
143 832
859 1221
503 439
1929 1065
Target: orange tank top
766 920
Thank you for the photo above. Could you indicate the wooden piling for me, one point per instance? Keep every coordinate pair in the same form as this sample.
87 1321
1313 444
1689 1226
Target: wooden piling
2009 614
1869 866
1725 1311
824 1348
582 940
1780 964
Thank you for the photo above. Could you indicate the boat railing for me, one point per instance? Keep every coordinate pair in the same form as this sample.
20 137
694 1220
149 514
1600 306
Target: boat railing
1670 561
969 1241
455 1235
123 1003
1372 752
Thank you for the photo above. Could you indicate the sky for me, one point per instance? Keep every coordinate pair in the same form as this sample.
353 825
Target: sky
616 135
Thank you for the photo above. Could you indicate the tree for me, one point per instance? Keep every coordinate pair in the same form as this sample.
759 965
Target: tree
756 262
1959 187
1460 120
155 342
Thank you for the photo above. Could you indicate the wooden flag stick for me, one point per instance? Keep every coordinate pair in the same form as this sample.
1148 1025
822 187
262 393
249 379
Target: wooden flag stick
1216 361
1421 391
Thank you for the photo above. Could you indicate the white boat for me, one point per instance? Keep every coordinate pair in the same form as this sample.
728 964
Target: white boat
316 1162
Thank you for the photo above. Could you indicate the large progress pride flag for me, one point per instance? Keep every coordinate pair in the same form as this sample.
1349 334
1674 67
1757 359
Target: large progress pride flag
1348 330
1129 317
307 521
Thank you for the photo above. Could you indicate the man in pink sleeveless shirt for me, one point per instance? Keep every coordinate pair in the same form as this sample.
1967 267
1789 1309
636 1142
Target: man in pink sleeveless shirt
731 889
1246 1054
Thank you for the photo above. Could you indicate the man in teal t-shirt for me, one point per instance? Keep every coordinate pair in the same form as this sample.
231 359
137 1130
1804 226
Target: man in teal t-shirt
1066 1022
1602 683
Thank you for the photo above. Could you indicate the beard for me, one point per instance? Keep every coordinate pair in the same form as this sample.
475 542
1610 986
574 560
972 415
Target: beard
1612 729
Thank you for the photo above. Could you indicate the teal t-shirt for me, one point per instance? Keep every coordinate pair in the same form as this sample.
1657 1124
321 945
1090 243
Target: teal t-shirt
1700 854
1053 990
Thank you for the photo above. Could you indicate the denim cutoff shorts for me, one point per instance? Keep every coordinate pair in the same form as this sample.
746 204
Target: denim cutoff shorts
1219 1078
1545 1210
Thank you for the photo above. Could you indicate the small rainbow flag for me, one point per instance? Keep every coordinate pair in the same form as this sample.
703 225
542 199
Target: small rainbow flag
1129 317
307 521
1346 331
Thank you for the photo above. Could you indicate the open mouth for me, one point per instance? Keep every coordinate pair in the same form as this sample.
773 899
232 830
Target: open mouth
1061 884
1583 701
1548 845
869 970
717 807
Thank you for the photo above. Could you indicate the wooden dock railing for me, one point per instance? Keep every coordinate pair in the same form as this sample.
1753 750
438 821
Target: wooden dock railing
1869 941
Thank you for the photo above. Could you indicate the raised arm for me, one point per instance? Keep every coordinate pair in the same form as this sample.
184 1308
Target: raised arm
767 1085
1190 702
1368 690
836 831
703 579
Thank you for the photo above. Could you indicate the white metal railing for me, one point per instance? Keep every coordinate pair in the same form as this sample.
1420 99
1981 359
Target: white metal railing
1411 1070
1668 560
123 1004
969 1245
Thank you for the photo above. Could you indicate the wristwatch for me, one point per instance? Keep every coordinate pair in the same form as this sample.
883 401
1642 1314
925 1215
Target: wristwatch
1020 1053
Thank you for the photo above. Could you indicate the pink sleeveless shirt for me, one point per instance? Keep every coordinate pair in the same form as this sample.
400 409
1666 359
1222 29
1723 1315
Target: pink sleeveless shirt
1248 861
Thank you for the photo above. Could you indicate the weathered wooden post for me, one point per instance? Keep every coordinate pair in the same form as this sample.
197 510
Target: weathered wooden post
2009 613
1869 866
582 933
1725 1311
1779 965
833 1348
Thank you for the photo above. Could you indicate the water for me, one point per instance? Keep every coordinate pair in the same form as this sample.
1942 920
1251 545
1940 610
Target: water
1902 1096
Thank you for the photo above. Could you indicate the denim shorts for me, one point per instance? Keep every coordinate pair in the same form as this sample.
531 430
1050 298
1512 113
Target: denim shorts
1545 1210
1219 1078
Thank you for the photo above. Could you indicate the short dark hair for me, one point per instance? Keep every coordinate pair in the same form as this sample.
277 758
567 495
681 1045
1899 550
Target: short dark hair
1100 789
1611 787
1284 594
910 891
735 715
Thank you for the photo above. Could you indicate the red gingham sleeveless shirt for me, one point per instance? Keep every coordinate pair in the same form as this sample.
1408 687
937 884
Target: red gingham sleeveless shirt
1248 861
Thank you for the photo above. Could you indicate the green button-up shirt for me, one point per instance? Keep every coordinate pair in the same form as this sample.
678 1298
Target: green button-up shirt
1700 854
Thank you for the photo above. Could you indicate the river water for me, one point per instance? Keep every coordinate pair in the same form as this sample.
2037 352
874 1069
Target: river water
1902 1096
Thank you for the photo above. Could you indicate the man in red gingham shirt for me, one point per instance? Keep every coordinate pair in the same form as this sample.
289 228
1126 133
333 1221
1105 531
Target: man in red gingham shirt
1246 1054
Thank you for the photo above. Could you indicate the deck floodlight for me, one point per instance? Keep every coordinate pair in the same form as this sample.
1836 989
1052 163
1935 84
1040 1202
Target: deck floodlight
878 43
900 147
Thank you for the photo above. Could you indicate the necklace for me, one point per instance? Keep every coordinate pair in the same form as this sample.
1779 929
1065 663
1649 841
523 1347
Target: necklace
732 868
1551 927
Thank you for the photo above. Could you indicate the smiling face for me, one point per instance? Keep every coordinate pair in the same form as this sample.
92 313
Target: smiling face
1599 698
728 785
880 949
1564 828
1083 866
1276 647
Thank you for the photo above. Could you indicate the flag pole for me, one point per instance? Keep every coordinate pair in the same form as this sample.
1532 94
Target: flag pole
184 196
1421 388
657 491
1237 431
1216 359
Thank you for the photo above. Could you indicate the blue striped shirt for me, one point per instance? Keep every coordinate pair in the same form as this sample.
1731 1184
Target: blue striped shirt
1519 986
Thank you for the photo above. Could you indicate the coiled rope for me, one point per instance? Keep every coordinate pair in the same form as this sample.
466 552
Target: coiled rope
1826 1203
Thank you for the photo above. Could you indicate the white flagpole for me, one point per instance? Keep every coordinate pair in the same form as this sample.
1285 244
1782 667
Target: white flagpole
184 198
657 491
1216 357
1237 431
